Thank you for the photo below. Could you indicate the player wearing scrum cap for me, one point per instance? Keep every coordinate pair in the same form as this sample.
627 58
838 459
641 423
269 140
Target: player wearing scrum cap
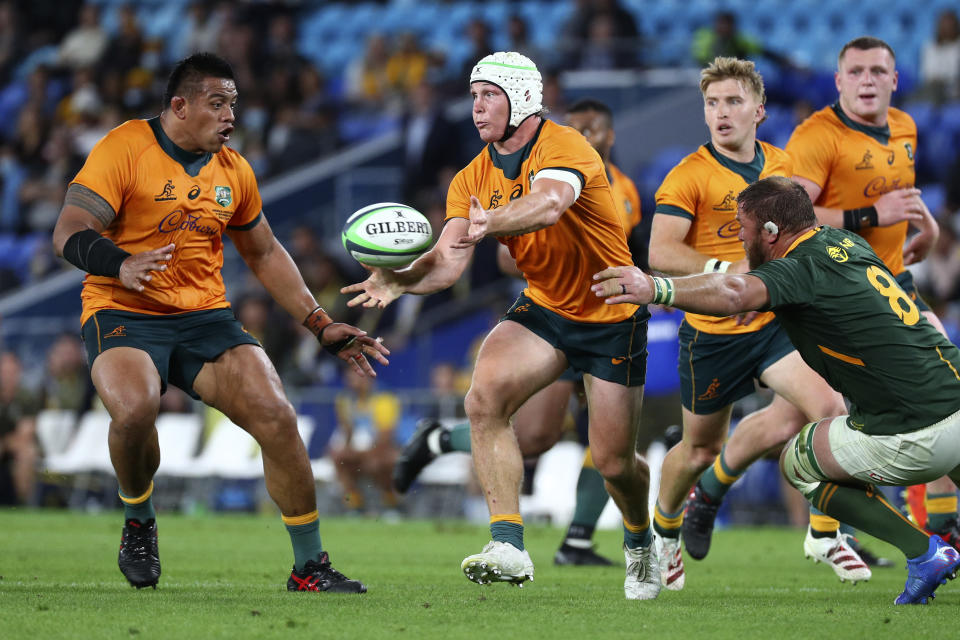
542 190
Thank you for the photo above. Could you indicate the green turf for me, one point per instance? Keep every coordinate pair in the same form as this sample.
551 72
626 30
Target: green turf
224 576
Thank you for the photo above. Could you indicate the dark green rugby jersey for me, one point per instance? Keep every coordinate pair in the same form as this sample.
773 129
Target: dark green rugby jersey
856 327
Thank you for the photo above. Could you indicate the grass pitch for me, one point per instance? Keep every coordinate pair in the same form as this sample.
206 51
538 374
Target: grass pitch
224 577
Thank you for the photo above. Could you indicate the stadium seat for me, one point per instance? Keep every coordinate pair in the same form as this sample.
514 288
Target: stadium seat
554 485
88 451
178 434
54 430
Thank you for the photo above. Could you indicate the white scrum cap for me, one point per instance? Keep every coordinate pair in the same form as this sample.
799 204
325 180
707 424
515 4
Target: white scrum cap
517 75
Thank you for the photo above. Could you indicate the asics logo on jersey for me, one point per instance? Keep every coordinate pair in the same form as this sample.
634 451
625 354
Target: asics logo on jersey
729 229
879 186
909 149
194 192
177 220
166 193
729 203
119 332
517 192
890 157
865 163
495 199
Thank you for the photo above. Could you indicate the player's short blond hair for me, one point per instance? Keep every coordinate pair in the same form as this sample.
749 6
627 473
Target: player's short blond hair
743 71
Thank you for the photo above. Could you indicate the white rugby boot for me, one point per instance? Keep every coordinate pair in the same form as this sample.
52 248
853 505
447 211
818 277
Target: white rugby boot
643 573
845 562
672 575
498 562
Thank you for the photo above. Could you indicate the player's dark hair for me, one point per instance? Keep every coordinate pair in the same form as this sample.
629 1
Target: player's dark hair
779 200
188 74
865 43
589 104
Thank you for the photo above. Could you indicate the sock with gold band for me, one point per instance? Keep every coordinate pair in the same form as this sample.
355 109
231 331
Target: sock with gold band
941 510
822 525
305 536
636 536
139 508
667 524
718 478
507 527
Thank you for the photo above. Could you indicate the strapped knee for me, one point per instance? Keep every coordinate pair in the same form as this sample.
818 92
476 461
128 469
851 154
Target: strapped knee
799 464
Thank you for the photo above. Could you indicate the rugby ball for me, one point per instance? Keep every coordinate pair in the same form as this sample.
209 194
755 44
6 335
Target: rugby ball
386 234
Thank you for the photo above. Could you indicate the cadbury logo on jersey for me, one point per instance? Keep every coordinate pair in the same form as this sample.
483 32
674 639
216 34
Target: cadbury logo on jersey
729 229
177 220
879 186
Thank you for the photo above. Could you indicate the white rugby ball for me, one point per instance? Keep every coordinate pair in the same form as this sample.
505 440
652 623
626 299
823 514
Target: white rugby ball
386 234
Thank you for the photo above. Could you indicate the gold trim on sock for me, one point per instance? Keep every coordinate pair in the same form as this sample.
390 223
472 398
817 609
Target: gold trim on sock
666 522
942 505
307 518
588 460
823 524
634 528
138 499
507 517
722 475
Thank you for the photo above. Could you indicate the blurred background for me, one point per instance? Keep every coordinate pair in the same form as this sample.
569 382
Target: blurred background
343 104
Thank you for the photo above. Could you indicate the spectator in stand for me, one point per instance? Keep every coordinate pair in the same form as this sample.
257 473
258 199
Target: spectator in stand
478 33
407 65
604 47
364 444
124 49
430 143
938 277
18 429
940 60
625 32
85 45
724 39
11 40
367 84
518 36
67 382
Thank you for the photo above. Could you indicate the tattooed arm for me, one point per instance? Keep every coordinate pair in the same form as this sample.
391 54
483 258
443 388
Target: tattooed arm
82 209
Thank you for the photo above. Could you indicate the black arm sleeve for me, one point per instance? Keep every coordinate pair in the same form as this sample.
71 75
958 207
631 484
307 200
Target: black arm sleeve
91 252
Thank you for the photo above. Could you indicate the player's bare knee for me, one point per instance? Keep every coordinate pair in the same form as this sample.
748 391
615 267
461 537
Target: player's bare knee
701 455
534 442
272 421
483 407
135 416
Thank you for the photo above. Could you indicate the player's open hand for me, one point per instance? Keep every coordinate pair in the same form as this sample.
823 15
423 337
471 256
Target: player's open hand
357 347
623 284
923 242
477 231
899 205
136 270
379 290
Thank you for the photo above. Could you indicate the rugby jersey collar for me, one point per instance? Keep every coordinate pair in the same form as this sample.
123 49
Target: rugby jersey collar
805 236
192 163
510 163
880 134
749 171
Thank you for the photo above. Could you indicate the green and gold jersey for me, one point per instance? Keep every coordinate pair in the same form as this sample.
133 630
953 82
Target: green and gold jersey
856 327
703 188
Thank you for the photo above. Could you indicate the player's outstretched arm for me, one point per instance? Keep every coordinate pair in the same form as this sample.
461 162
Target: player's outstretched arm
434 271
77 238
540 208
716 294
279 275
